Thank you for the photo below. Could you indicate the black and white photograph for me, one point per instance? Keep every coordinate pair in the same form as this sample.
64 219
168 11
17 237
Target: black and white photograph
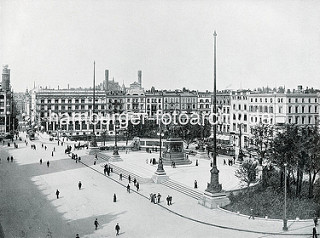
159 118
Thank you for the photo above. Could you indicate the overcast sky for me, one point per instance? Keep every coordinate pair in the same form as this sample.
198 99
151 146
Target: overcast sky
259 43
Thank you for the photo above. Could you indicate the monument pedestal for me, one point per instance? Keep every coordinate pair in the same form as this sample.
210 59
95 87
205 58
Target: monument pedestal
159 178
160 175
213 200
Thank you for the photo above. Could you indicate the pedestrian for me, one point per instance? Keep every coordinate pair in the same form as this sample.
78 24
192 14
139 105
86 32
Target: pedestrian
138 186
40 161
11 158
159 196
195 184
48 163
134 181
8 158
42 145
168 200
117 229
77 236
52 153
251 214
57 193
129 178
224 162
151 197
96 223
314 232
128 188
95 162
54 149
154 198
315 220
114 197
45 147
79 185
120 176
197 163
104 171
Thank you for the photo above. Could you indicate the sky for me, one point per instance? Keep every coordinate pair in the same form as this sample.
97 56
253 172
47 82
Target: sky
259 43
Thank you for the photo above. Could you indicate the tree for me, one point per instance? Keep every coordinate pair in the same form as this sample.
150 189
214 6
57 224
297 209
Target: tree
247 172
312 163
262 137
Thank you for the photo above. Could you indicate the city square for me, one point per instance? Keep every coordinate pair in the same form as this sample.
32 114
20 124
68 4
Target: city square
159 118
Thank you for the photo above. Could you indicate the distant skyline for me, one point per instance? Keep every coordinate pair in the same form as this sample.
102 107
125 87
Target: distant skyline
259 43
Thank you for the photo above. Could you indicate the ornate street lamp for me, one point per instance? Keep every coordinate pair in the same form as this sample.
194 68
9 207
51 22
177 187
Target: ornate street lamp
116 128
160 169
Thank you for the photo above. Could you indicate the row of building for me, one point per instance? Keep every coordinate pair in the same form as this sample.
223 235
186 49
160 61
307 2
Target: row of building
238 110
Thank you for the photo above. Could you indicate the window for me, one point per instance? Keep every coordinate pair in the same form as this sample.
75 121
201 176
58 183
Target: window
297 109
280 109
302 110
289 109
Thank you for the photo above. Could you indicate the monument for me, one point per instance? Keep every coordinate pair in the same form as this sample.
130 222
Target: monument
174 152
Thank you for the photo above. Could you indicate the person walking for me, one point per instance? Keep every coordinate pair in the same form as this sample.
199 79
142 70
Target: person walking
77 236
137 186
57 193
120 177
96 223
48 163
159 196
314 232
114 197
40 161
129 178
251 214
128 188
11 158
168 200
195 184
79 185
8 159
52 153
315 220
117 228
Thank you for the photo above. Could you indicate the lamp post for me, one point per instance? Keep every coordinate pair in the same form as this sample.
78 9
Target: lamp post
115 150
240 156
285 227
160 168
214 186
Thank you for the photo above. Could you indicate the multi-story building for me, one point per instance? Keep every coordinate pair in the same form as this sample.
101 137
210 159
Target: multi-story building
7 105
302 107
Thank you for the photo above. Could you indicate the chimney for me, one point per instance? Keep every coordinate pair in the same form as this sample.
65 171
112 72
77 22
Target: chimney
106 73
139 77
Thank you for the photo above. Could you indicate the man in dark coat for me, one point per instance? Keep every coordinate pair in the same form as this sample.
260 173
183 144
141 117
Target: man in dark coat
79 185
117 229
96 223
57 193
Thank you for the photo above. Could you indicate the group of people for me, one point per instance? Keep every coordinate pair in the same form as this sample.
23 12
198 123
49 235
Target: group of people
230 162
107 169
154 198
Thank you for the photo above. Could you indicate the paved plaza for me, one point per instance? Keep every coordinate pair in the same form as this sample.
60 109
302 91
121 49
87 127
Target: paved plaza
29 206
